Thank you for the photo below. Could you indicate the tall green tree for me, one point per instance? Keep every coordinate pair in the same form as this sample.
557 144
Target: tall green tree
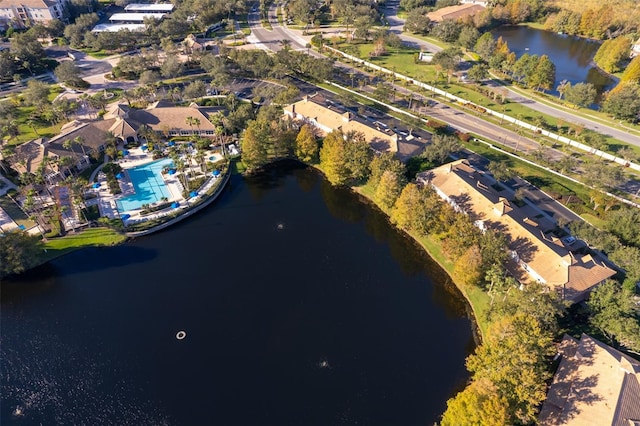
440 148
358 156
614 313
581 94
623 102
254 145
18 252
485 45
544 76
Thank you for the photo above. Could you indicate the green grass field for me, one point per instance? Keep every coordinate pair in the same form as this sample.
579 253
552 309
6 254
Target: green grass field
92 237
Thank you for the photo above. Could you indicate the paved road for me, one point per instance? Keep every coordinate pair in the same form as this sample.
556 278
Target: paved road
396 25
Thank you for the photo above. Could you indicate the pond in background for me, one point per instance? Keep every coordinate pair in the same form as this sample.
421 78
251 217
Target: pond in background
301 306
571 55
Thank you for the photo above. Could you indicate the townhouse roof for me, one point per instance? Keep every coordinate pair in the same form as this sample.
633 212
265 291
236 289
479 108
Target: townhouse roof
333 118
454 12
88 136
161 116
544 253
595 384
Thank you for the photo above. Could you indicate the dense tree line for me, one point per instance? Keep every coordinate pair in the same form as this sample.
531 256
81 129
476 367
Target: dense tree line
25 56
606 20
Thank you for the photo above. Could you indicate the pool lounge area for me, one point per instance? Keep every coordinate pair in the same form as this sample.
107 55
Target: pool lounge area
148 184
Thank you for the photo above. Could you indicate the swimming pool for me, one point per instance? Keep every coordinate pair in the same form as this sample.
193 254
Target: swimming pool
148 183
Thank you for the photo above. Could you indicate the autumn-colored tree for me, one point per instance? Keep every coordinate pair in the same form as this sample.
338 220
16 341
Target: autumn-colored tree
381 163
388 189
632 72
333 159
405 211
307 145
612 54
468 267
515 358
479 404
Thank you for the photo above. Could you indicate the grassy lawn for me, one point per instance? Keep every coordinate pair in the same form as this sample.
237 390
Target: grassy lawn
92 237
538 176
594 220
42 128
15 212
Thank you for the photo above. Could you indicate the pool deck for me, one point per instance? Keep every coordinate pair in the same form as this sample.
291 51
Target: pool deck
107 202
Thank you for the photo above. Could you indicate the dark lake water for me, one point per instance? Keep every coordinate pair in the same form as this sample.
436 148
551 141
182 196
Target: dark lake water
572 55
331 318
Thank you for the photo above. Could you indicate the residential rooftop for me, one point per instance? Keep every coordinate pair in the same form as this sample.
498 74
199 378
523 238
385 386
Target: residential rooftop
537 253
328 118
455 12
595 384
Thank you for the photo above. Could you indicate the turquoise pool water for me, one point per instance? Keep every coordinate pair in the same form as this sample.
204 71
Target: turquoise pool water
148 183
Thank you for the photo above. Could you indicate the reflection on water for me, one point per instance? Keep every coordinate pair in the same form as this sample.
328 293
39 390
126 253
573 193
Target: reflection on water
334 317
572 55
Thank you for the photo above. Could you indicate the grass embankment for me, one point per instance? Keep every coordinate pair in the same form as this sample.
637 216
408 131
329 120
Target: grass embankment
478 299
92 237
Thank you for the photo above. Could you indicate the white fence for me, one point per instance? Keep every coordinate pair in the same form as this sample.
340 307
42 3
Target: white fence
502 116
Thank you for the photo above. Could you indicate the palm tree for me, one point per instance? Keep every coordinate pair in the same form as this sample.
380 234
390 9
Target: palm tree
562 88
79 140
193 121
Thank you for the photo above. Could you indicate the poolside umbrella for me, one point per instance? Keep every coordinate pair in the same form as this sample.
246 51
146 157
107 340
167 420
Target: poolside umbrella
96 185
193 194
125 216
175 205
171 143
172 171
119 176
125 152
144 147
216 172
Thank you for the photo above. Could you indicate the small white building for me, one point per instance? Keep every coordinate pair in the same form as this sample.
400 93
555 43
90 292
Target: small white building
150 8
134 17
114 28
